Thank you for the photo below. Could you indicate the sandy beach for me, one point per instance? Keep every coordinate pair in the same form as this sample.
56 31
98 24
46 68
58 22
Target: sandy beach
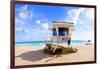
31 56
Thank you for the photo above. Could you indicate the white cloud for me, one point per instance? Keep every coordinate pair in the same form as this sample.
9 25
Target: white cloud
45 25
73 15
83 19
35 34
22 16
38 33
38 21
18 24
25 13
90 13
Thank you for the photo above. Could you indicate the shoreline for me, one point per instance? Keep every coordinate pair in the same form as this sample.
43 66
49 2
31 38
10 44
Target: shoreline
32 56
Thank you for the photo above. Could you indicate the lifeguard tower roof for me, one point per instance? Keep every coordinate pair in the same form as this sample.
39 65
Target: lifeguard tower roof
62 24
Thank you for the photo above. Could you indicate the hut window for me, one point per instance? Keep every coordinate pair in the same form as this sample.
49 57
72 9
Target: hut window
63 31
54 32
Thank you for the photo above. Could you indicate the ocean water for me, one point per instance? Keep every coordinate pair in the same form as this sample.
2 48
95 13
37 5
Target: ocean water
42 43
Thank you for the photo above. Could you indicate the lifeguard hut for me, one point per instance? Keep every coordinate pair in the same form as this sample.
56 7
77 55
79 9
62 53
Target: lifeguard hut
61 32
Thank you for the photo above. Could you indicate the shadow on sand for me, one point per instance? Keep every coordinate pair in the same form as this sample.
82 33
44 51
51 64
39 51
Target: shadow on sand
34 55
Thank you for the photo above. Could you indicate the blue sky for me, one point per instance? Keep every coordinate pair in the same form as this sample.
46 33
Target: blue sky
32 21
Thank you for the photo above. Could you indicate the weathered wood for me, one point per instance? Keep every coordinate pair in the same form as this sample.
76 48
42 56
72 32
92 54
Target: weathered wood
53 48
57 49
